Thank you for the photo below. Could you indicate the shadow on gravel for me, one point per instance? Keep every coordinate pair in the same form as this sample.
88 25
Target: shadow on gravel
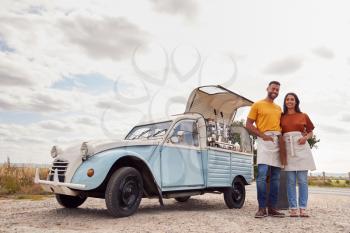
79 212
190 205
169 206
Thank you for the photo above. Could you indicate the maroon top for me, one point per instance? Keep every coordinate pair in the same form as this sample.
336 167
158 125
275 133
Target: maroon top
296 122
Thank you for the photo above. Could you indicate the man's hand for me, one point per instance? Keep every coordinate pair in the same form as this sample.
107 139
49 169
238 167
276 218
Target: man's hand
253 130
267 138
302 140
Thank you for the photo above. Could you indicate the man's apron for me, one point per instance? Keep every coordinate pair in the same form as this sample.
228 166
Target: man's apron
269 152
299 157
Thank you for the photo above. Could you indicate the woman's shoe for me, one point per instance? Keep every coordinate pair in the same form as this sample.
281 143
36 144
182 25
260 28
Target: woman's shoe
294 213
303 213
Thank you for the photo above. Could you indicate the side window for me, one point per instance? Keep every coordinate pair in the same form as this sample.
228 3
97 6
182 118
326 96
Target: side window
185 132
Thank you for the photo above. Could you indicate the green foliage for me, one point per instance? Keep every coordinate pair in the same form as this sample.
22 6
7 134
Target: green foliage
313 141
236 137
238 123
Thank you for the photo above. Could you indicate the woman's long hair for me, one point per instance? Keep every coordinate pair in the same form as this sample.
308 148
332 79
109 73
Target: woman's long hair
297 102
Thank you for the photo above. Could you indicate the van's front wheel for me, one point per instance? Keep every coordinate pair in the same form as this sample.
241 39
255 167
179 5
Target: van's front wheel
70 201
235 196
124 192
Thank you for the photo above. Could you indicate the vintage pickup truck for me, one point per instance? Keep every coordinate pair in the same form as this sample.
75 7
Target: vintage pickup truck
197 152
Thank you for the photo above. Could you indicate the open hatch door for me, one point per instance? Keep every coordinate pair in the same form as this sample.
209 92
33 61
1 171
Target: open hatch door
216 102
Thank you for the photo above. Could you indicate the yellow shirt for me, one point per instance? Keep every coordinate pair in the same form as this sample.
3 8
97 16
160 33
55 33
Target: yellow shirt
267 116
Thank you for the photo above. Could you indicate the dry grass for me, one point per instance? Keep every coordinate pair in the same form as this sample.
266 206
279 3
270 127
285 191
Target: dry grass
19 181
329 182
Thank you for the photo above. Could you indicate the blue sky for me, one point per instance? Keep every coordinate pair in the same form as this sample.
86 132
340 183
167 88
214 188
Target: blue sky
22 118
92 83
4 47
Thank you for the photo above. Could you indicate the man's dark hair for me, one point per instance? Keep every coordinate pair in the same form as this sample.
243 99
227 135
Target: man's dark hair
274 82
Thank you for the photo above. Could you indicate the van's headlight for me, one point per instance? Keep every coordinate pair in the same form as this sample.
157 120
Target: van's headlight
54 152
84 151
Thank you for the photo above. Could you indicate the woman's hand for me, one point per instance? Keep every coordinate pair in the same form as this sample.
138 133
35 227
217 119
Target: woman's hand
302 140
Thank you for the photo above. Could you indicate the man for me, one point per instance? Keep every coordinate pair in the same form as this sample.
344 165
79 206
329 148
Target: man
266 116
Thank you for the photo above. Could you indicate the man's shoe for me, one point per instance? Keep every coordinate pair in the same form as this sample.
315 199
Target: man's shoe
274 213
261 213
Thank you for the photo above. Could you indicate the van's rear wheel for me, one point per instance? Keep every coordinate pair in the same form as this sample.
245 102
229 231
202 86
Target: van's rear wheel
70 201
182 199
235 196
124 192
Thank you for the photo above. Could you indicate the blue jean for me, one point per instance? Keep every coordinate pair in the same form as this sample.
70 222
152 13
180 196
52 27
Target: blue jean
261 185
291 189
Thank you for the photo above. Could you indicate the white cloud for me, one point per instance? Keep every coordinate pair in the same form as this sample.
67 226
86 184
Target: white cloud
85 120
18 70
103 37
288 65
323 52
187 8
345 117
6 104
114 104
334 129
35 100
54 125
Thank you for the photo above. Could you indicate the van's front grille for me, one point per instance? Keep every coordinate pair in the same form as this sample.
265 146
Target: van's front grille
61 167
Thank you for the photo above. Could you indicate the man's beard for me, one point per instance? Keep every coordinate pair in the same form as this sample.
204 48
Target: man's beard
272 96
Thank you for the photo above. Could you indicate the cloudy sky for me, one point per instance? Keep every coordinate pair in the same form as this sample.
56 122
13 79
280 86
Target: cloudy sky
80 70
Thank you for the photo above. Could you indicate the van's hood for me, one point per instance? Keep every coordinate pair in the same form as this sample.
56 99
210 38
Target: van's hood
97 146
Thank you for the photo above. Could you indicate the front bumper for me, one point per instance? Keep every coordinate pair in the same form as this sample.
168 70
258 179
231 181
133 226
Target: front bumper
57 187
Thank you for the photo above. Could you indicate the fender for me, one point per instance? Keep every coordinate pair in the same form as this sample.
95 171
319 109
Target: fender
102 163
246 180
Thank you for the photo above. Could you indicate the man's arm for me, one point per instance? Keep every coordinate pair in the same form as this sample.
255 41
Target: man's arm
253 130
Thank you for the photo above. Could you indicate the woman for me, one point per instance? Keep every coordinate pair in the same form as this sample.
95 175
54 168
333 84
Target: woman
297 129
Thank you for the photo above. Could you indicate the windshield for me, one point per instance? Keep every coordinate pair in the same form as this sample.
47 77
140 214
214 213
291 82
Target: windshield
157 130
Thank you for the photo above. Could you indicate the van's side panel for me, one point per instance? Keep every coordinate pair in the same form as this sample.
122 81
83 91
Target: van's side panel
224 166
219 168
242 165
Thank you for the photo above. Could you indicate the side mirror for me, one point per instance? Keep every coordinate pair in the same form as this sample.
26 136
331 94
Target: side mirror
174 139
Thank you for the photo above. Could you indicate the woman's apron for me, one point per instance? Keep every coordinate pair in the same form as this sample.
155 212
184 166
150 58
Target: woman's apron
268 152
299 157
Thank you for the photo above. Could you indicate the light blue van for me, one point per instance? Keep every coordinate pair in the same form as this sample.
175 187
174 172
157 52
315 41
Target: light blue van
189 154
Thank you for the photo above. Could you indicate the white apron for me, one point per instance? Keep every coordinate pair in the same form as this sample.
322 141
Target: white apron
269 152
299 157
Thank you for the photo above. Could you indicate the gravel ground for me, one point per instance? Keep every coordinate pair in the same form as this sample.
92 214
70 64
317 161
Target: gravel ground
206 213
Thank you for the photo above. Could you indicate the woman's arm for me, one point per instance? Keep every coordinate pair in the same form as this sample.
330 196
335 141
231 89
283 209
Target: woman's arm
308 130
